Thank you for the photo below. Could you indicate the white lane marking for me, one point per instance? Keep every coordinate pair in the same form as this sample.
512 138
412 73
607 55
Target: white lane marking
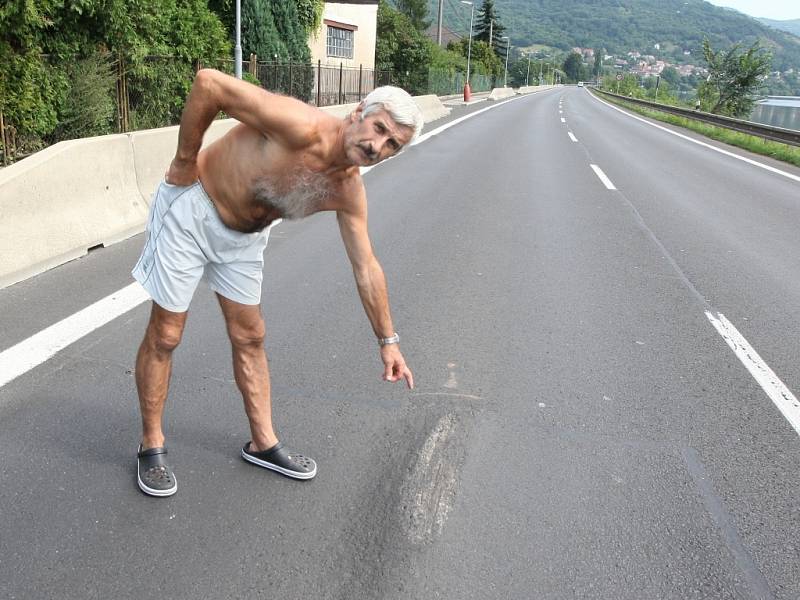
563 120
41 346
777 391
698 142
38 348
603 177
572 137
561 112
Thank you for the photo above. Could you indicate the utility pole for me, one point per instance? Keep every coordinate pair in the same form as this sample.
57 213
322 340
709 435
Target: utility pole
237 51
508 50
528 74
491 29
439 23
467 88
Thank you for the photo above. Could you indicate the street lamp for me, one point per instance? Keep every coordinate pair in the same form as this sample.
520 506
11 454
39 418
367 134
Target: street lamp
467 89
508 49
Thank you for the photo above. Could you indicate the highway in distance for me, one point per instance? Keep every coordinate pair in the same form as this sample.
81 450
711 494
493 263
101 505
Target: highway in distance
602 317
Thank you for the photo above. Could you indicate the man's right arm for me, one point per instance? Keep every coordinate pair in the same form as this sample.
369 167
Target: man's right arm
212 92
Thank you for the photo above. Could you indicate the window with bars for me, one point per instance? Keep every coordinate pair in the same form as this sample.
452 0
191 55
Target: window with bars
340 42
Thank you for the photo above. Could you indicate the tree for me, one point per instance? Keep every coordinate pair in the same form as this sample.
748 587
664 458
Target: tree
573 67
489 21
734 77
484 60
403 49
598 62
416 11
518 72
56 59
671 76
309 12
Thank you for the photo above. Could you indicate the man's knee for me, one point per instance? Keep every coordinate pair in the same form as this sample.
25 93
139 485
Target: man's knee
247 334
164 332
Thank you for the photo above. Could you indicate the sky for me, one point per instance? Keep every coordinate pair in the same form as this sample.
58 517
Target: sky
781 10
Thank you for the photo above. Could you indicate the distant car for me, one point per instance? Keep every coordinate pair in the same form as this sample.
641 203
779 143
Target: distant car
580 84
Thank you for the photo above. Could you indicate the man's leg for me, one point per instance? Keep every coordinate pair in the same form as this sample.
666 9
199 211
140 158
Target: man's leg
153 369
246 331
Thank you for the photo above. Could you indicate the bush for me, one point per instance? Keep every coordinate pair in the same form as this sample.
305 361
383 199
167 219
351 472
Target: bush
89 106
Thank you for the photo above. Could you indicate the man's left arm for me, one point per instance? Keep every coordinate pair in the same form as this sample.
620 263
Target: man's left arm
371 284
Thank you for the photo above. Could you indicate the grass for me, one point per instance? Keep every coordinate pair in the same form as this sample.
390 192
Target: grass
757 145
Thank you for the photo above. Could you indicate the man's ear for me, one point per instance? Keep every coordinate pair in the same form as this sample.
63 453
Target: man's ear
356 114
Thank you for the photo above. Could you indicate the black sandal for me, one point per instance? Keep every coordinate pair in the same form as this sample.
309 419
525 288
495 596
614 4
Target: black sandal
154 476
280 459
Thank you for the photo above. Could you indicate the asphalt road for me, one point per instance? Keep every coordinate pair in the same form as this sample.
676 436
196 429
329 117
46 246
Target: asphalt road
579 427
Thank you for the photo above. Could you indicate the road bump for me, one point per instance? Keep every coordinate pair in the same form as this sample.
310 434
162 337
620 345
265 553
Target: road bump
431 487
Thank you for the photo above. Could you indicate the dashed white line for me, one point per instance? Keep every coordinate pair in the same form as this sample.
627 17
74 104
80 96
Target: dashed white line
603 177
777 391
563 120
572 137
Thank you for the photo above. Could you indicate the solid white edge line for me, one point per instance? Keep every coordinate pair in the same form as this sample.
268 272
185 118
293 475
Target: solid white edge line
603 177
698 142
38 348
572 136
35 350
777 391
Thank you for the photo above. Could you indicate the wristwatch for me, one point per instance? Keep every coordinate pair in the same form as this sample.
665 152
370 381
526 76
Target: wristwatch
394 339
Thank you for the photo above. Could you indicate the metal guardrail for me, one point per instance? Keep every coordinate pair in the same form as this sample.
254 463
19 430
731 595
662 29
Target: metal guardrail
776 134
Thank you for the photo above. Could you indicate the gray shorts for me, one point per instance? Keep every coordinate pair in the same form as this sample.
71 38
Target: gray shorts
186 240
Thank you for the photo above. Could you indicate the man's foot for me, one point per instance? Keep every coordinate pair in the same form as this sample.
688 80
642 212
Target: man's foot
280 459
154 475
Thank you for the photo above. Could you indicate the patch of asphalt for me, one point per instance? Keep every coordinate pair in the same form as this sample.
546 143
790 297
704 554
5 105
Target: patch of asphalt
420 456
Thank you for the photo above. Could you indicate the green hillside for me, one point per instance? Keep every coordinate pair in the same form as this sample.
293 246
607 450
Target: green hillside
620 26
792 26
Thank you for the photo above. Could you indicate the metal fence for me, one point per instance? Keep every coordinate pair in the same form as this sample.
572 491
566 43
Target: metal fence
776 134
445 82
113 95
151 93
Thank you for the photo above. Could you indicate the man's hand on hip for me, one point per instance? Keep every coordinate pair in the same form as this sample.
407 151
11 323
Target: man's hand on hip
394 365
181 172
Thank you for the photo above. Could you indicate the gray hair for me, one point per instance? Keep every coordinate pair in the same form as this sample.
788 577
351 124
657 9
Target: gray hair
398 103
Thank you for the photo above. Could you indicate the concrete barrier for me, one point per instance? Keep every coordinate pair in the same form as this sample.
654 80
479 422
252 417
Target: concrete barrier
60 202
153 150
431 107
501 93
75 195
530 89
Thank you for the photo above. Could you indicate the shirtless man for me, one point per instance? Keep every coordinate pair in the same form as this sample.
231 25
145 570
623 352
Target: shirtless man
211 216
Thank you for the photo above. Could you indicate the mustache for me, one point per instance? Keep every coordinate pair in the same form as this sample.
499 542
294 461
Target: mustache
368 150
